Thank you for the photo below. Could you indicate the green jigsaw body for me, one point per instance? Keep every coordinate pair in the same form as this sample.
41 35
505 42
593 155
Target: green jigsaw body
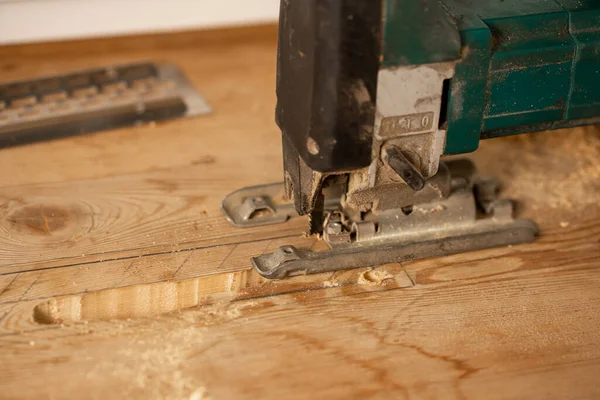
372 93
523 65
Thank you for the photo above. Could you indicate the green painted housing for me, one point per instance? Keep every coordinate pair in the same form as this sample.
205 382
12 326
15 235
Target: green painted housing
523 65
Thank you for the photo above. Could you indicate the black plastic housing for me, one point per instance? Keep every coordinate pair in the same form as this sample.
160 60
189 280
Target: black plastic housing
328 61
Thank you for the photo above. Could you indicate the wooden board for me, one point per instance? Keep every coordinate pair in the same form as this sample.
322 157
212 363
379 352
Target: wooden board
119 277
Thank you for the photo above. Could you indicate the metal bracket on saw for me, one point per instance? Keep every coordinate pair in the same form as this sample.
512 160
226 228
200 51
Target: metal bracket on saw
257 205
263 205
289 261
470 218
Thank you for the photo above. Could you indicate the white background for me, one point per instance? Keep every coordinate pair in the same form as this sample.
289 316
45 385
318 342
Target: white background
24 21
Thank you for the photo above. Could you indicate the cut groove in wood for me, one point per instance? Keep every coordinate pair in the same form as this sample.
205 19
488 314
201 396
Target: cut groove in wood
139 301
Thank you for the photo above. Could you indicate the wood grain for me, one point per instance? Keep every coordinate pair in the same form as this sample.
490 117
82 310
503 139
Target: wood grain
120 217
423 342
119 277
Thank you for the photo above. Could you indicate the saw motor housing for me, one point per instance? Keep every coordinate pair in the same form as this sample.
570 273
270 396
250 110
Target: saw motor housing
372 93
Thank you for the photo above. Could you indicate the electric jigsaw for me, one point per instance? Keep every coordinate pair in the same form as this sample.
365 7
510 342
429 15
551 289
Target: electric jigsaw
370 96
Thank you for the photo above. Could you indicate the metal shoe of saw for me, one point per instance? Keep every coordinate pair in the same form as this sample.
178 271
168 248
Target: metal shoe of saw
371 94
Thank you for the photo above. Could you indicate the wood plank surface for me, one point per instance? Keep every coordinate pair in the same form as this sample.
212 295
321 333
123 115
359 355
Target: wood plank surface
119 277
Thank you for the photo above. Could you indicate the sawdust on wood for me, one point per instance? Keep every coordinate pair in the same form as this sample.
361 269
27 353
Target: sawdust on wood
571 180
154 359
152 364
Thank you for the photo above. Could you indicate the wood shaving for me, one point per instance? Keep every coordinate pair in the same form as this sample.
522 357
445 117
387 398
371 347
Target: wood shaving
373 277
199 394
330 284
429 210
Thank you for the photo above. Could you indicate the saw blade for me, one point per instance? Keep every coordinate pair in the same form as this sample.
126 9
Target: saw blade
317 216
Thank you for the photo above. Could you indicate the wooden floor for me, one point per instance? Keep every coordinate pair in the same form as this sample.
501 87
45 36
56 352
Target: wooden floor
119 278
